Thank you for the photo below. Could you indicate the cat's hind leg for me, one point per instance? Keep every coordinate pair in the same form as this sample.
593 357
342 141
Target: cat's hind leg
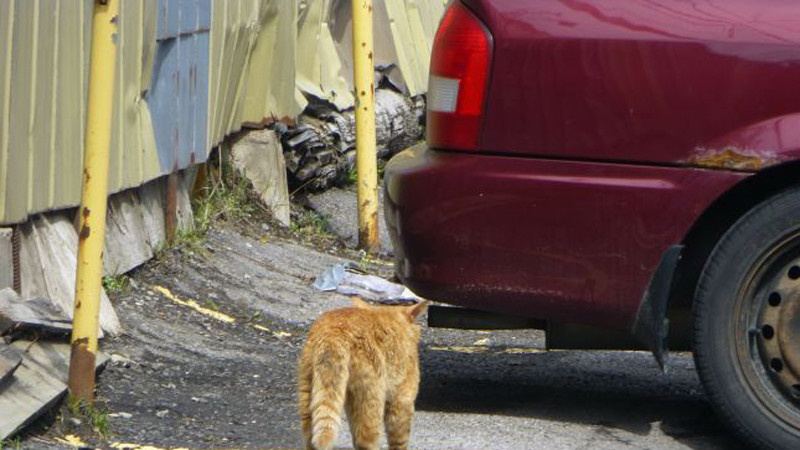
364 406
400 412
399 415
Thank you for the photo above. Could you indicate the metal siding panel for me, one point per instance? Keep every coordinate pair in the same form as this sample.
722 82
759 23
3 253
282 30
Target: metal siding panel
247 30
188 16
319 69
72 68
200 92
186 59
22 96
168 18
232 60
163 104
127 165
118 135
179 89
255 99
42 126
6 41
216 65
150 22
216 46
404 45
204 14
422 47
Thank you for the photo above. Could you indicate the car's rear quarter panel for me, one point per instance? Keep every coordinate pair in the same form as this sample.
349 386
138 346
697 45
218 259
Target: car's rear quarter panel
656 81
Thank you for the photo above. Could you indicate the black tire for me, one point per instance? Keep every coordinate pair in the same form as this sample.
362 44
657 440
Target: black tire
748 294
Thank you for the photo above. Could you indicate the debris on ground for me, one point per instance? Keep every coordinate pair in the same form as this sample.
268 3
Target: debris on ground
345 279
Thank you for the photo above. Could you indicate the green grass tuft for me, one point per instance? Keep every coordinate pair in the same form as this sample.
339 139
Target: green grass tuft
91 414
117 283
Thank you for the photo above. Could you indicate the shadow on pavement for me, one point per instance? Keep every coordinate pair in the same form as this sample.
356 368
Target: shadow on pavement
609 390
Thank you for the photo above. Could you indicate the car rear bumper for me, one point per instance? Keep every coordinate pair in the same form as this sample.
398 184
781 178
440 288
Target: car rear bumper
559 240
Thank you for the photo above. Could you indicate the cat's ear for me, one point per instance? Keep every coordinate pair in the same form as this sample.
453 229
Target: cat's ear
360 304
415 310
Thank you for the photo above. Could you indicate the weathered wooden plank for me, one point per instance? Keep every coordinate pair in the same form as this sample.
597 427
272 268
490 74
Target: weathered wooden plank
35 313
9 361
49 259
37 385
126 244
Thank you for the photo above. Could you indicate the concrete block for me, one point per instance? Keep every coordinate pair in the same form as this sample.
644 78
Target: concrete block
259 156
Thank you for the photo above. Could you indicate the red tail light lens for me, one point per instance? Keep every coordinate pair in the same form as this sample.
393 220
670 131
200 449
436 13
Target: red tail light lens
458 80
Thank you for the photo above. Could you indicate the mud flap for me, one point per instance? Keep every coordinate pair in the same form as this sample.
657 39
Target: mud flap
651 327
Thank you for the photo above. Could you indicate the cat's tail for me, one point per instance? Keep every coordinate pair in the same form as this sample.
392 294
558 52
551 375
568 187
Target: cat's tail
328 387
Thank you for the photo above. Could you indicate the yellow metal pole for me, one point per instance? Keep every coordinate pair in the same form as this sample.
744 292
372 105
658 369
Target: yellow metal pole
366 155
92 232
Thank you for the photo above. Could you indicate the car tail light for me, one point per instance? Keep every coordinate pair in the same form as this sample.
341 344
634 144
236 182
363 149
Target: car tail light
458 80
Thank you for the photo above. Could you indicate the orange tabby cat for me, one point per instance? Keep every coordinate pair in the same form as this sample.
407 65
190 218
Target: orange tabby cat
365 359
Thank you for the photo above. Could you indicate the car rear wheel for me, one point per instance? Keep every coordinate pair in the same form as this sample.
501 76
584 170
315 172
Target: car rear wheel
747 324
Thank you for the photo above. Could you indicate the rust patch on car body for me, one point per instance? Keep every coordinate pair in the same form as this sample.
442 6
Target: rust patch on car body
732 158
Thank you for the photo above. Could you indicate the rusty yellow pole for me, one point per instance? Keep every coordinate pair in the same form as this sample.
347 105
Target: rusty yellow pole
92 232
366 155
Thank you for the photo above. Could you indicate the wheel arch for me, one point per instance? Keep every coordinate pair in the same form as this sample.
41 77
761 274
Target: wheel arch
709 228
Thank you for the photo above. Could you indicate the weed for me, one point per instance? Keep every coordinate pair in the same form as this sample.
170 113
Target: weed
192 239
209 304
228 198
381 168
118 283
90 413
352 176
309 224
10 444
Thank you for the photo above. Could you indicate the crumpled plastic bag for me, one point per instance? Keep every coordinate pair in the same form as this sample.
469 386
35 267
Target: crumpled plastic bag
369 287
330 278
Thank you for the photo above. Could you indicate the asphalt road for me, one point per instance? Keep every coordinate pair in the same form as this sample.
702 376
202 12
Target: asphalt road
212 337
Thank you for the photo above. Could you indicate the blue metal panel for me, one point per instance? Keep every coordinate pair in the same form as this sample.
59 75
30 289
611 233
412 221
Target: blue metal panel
178 98
203 14
188 18
182 17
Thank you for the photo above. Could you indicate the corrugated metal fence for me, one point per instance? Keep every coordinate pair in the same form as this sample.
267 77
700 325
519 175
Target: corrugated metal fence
189 73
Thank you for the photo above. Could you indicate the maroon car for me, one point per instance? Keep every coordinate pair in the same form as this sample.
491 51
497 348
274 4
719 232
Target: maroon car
621 173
